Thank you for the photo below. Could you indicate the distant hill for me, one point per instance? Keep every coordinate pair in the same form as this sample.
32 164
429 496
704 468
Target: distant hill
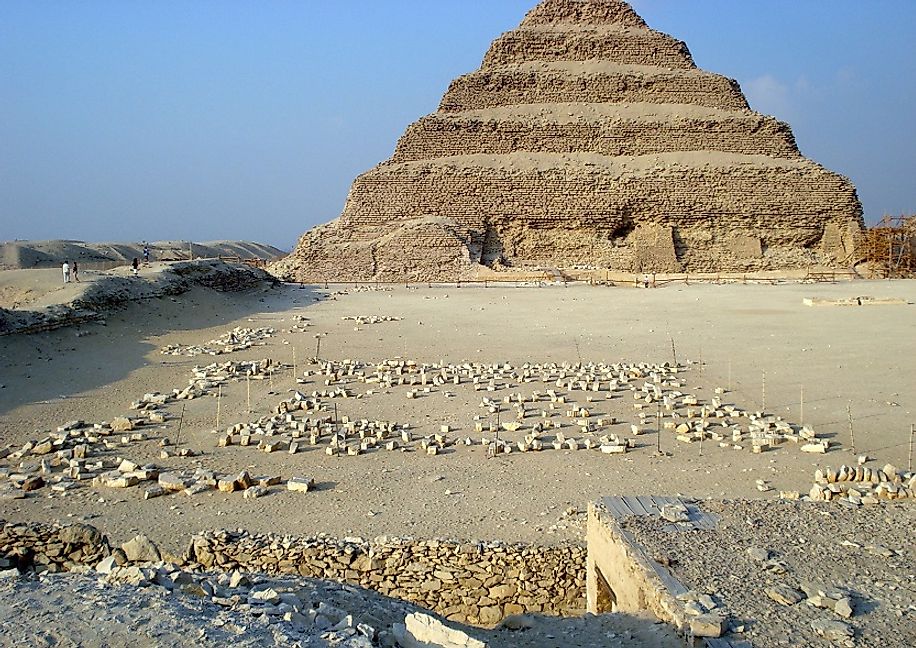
16 255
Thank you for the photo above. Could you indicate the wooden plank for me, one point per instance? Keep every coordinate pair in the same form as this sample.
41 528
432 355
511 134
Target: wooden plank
635 506
616 508
671 583
660 502
648 503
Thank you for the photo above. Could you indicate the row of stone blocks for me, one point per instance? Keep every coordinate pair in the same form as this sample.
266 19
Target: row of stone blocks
793 203
445 135
509 86
633 47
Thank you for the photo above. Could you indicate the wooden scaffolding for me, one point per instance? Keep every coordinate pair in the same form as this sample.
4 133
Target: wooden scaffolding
890 246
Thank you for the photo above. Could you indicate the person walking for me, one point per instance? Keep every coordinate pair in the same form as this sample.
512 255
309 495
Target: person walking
135 266
66 270
145 253
75 272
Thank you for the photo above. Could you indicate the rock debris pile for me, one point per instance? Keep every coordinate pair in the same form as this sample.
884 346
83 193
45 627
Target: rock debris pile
795 573
238 339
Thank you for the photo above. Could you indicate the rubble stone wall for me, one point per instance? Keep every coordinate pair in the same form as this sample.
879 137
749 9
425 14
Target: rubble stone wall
50 547
438 136
478 583
508 87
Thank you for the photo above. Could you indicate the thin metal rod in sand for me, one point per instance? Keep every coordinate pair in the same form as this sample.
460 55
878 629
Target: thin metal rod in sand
763 392
318 347
673 352
910 461
180 421
702 428
295 372
658 427
248 387
219 399
852 435
801 406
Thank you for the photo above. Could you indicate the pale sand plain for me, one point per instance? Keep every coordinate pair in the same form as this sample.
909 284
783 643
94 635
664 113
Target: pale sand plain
855 357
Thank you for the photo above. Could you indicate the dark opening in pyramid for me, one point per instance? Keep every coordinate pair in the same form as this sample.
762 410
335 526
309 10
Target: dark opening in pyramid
586 139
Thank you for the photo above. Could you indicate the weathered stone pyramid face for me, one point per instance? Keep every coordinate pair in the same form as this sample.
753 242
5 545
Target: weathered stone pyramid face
586 138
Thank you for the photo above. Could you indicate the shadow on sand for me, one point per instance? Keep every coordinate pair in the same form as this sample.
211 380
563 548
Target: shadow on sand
61 364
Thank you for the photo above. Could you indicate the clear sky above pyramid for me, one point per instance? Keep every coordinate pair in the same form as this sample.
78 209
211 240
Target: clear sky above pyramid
221 119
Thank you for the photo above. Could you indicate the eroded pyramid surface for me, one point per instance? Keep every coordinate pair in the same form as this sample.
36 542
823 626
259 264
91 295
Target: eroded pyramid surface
586 139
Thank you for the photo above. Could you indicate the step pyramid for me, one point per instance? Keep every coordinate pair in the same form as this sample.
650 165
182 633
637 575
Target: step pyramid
586 139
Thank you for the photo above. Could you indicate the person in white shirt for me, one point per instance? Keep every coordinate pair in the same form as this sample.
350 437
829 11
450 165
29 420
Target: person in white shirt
66 270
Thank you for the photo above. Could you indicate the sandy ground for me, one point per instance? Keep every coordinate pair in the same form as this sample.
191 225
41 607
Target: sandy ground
860 357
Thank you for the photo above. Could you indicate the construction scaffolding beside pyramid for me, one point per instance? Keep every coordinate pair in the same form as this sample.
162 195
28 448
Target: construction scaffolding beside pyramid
586 139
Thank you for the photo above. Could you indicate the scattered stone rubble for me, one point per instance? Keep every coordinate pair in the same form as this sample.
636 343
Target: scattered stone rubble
546 418
478 583
71 456
238 339
299 606
796 573
370 319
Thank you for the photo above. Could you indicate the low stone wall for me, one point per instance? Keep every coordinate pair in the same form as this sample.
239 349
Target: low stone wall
46 547
477 583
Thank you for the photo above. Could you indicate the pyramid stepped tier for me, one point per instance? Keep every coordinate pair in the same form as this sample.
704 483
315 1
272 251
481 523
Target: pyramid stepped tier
590 82
633 46
608 129
717 192
584 12
586 138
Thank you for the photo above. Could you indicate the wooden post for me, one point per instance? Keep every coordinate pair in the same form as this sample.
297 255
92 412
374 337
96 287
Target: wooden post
763 392
219 399
318 347
852 436
658 427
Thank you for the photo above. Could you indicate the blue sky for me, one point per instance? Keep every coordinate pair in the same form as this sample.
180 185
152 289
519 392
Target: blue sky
177 119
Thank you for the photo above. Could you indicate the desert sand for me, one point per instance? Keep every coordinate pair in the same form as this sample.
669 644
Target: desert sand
855 357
